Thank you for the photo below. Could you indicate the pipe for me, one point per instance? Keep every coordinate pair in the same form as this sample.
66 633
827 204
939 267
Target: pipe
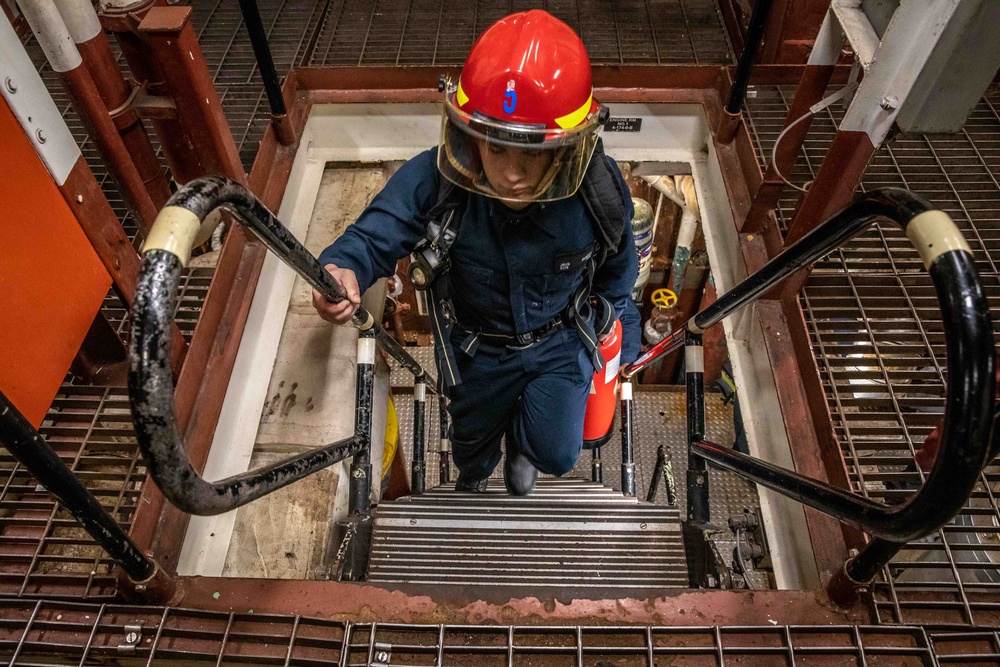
272 85
628 429
151 393
697 471
179 227
966 444
966 437
892 203
34 453
418 466
684 196
85 29
444 450
63 55
751 45
359 495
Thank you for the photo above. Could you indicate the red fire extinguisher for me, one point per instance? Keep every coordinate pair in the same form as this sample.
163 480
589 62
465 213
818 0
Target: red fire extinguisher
603 398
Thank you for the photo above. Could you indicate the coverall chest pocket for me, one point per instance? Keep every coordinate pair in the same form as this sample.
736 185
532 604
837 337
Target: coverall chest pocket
549 285
483 291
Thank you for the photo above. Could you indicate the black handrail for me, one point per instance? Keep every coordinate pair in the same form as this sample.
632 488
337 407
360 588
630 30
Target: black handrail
751 45
32 451
151 385
262 52
966 445
888 203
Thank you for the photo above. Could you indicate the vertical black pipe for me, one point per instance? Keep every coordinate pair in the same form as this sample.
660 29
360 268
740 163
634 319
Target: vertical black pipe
751 45
596 471
361 467
697 472
258 39
418 467
628 464
30 449
444 450
657 474
872 558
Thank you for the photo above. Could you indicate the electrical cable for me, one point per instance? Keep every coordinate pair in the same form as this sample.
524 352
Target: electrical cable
850 87
739 557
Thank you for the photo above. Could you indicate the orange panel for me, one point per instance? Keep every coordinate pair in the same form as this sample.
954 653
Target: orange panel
52 282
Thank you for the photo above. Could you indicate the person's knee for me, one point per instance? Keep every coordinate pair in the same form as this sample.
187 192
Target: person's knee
553 457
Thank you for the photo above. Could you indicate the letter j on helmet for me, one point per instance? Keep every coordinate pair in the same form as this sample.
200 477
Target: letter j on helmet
509 101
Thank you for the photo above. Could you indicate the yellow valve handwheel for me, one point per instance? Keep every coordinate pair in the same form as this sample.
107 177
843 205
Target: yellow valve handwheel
663 298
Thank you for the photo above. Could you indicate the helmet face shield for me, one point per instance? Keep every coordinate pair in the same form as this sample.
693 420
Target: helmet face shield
511 161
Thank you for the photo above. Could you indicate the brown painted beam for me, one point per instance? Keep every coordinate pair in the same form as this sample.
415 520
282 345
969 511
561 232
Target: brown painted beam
118 98
94 114
811 88
803 425
99 222
173 44
360 602
838 178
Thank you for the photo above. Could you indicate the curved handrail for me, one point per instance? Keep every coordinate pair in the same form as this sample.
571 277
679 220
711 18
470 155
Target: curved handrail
966 437
151 389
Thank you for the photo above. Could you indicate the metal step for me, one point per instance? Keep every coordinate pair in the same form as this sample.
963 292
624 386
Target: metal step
570 533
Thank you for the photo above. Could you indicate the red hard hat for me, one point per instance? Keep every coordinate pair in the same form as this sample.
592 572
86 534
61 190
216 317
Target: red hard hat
525 90
529 68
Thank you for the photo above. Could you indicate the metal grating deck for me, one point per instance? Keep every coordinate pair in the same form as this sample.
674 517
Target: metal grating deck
878 339
428 32
878 426
69 633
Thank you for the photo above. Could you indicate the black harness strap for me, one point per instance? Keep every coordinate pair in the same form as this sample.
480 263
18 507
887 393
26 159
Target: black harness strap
439 293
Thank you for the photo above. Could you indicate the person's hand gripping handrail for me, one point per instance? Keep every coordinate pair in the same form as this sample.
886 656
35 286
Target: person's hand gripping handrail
178 228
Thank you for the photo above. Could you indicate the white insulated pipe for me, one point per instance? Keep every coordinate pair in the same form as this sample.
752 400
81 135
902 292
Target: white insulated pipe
665 184
80 18
52 34
680 190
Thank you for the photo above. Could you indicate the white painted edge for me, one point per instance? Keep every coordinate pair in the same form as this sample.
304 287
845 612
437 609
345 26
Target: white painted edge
784 519
829 42
80 18
207 540
33 107
694 359
860 33
366 350
626 394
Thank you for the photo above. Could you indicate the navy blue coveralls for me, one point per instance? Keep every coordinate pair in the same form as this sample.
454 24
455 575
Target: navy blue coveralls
512 272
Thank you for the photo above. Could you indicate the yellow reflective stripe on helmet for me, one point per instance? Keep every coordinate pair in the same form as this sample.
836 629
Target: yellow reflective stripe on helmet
460 95
575 118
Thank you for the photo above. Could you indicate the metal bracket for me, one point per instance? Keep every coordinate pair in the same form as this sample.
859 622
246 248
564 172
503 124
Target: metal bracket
750 524
858 29
133 638
381 655
706 566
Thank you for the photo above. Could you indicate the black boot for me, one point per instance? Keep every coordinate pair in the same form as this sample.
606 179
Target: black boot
519 474
469 485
